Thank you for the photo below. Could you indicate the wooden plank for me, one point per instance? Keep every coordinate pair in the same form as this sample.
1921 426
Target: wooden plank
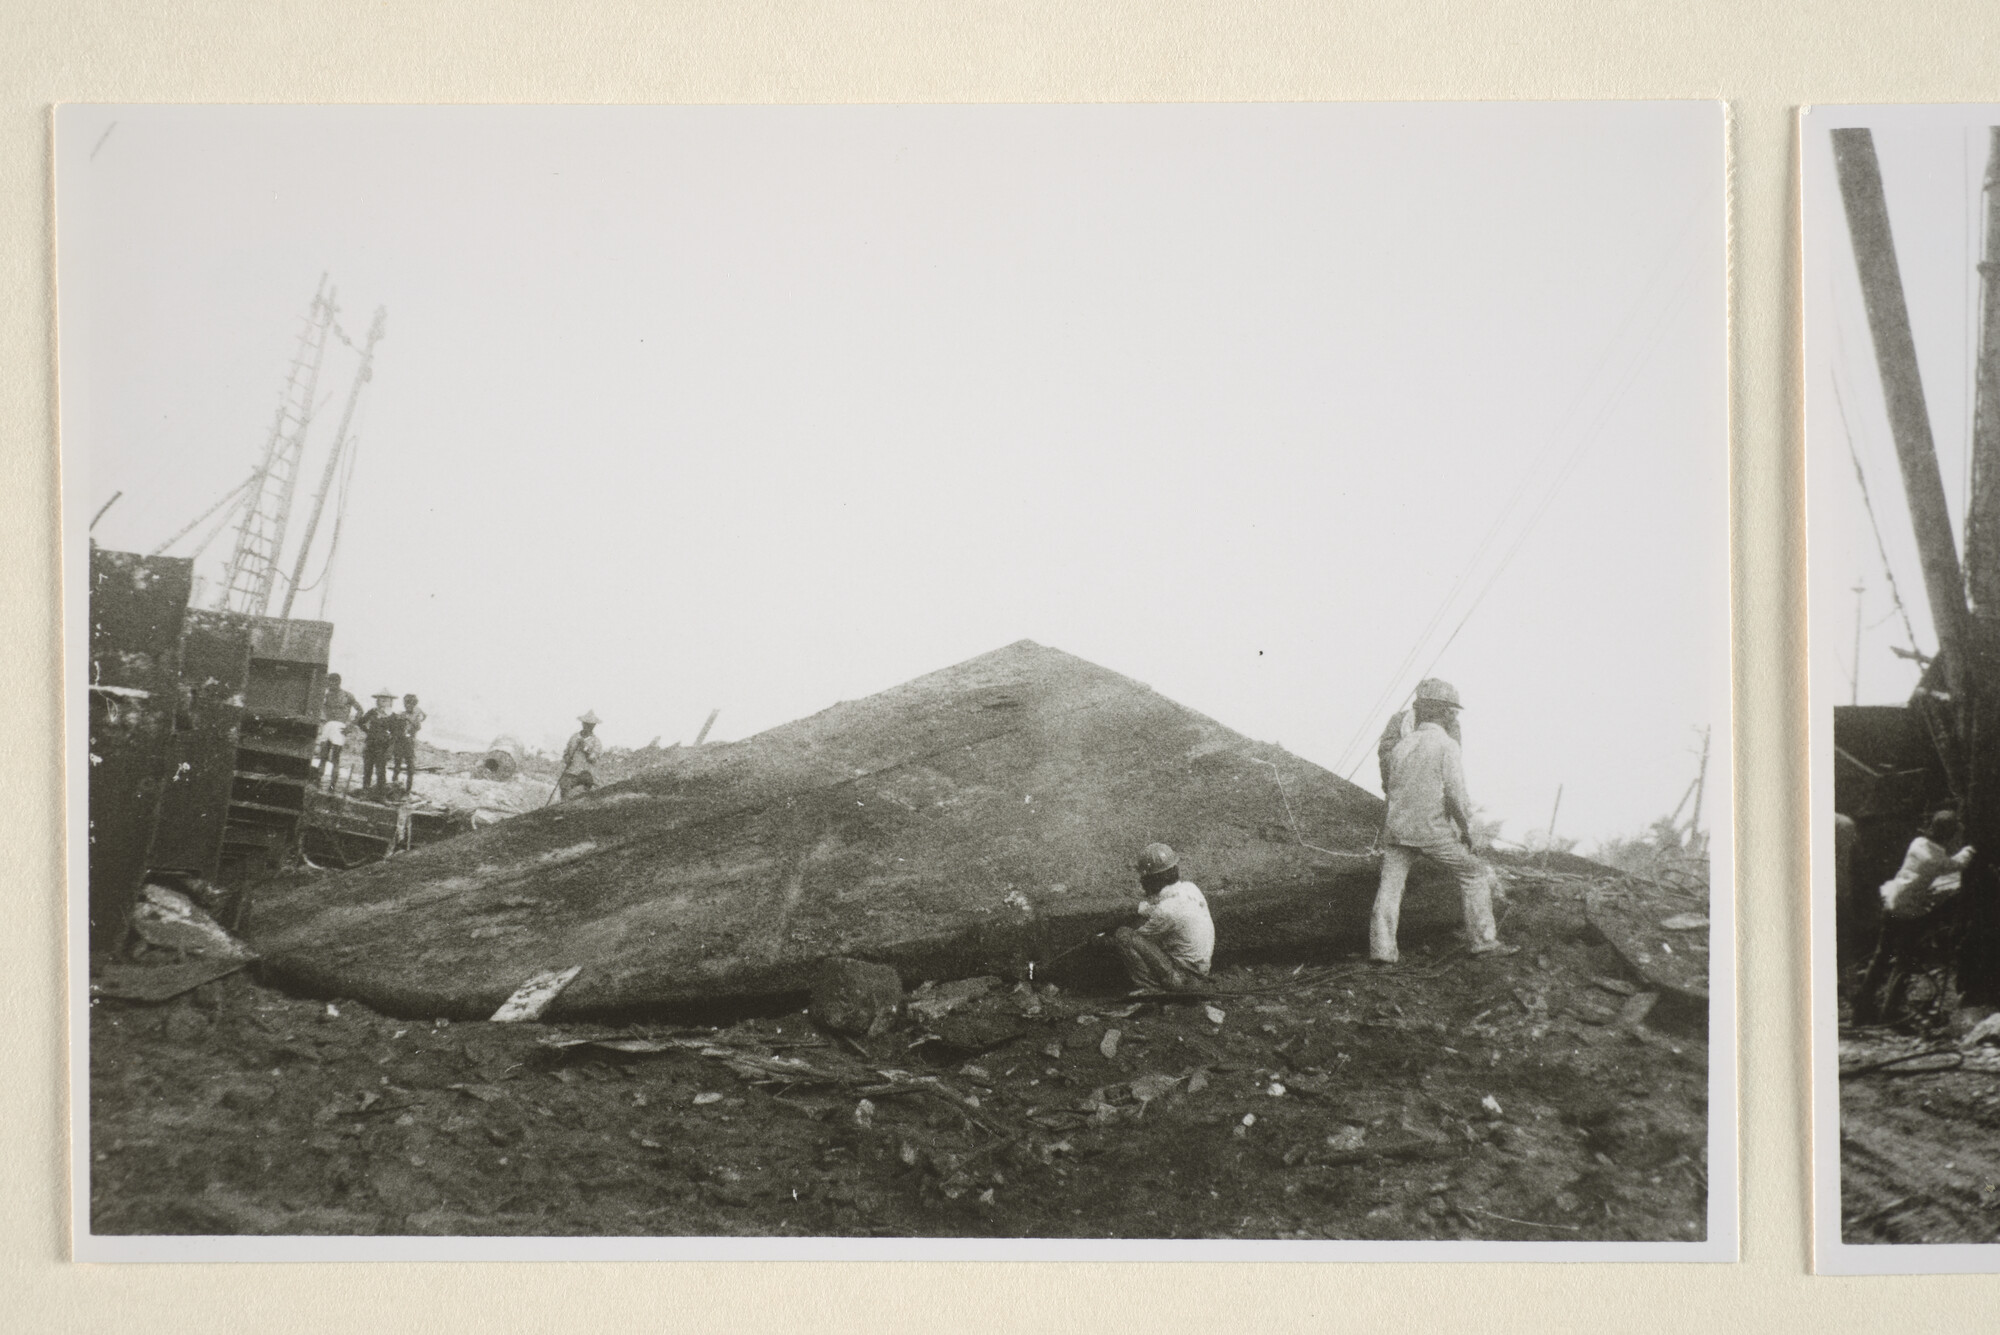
533 997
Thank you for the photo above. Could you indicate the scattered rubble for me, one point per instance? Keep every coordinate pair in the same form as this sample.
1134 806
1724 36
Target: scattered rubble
1918 1160
169 920
1660 930
171 946
854 996
481 798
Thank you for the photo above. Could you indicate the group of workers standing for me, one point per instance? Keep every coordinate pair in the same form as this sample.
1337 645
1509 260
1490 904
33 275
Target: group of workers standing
389 744
388 738
1429 818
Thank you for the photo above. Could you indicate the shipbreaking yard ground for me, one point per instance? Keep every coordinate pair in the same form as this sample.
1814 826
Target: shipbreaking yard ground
1533 1098
1919 1158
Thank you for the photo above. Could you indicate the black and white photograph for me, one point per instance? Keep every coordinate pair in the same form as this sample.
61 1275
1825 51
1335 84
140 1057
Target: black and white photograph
1901 215
989 682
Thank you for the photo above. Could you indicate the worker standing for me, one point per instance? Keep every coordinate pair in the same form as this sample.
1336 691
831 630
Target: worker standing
1170 949
409 722
378 741
336 715
1430 816
580 757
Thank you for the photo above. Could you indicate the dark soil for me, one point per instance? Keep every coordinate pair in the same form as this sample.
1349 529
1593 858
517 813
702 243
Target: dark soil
1919 1154
1919 1149
1451 1097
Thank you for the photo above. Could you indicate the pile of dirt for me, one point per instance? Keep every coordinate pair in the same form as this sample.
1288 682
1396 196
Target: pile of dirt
980 819
1537 1097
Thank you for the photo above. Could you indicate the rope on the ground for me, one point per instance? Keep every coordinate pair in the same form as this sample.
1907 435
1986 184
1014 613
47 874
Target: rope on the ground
1889 1066
1292 820
1529 1223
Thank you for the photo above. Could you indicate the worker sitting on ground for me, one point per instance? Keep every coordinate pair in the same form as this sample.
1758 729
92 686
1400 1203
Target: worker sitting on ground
1404 723
378 741
1929 876
1429 816
404 758
1170 949
336 715
579 763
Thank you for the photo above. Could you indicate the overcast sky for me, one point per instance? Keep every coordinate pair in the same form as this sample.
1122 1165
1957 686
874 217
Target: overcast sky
762 409
1933 161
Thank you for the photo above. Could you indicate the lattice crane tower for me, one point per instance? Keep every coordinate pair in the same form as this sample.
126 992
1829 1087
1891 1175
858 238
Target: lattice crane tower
267 509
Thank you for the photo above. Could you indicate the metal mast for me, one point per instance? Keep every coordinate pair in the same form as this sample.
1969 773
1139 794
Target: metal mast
253 565
362 375
1902 388
1979 923
1982 511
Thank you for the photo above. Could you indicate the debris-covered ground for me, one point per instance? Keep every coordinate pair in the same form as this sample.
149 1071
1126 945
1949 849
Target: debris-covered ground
1919 1112
1543 1096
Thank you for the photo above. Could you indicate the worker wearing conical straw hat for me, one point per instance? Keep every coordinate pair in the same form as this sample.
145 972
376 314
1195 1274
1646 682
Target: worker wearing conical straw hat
378 741
580 757
1429 816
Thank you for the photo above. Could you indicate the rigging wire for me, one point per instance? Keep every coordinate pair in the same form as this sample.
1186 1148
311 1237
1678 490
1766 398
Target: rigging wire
1354 753
1528 475
234 493
346 474
339 516
222 525
333 541
1868 504
1569 467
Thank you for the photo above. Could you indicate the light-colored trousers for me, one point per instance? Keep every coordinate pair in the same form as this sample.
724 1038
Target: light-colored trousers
1148 966
1475 888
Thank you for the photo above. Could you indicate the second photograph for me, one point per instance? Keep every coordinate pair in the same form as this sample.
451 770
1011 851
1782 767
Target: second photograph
1901 220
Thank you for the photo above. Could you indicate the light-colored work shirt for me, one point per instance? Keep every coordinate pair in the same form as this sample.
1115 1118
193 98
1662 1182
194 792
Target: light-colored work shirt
1426 772
1928 876
1177 921
581 755
1401 725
